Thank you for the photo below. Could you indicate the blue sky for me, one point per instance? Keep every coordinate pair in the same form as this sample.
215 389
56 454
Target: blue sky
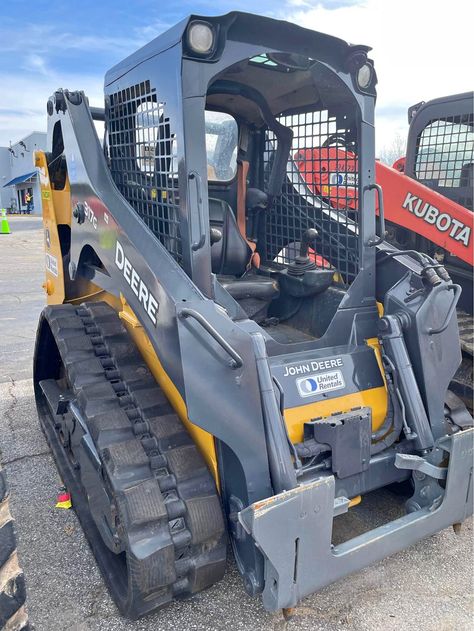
92 35
420 47
86 36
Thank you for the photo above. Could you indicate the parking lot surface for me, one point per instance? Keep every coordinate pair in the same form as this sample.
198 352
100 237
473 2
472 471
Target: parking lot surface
426 587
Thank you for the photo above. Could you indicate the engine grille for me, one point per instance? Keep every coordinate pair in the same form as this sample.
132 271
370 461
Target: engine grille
143 160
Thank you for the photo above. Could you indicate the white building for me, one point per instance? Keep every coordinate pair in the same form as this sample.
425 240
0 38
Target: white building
19 176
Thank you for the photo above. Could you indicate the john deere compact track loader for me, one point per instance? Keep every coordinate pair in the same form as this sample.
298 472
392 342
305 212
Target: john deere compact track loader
224 355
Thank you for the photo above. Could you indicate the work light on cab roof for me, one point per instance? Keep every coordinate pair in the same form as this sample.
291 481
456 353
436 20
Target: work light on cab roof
200 37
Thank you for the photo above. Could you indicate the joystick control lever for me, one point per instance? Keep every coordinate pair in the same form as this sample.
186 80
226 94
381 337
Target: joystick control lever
307 239
303 263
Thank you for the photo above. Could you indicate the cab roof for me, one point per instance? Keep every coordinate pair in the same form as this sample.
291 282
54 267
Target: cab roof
247 28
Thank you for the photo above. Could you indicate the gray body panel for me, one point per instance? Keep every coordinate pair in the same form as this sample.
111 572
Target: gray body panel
359 370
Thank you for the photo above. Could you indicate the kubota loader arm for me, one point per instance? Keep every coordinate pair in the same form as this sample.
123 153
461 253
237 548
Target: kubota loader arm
424 211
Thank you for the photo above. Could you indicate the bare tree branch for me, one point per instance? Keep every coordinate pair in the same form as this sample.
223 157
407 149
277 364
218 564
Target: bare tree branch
396 149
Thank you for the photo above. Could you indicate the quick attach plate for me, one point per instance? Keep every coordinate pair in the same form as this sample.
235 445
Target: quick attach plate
293 530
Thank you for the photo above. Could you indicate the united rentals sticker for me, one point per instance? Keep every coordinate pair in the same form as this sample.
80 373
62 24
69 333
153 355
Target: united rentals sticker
52 264
320 383
343 179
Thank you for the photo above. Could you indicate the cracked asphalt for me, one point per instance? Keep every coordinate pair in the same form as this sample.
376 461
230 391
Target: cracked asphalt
426 587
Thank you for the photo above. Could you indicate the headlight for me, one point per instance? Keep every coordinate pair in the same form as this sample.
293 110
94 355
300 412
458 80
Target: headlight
200 37
364 76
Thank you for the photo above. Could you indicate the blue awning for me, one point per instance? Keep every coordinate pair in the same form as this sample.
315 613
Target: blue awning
20 179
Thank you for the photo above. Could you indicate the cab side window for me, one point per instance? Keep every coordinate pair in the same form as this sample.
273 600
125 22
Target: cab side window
221 146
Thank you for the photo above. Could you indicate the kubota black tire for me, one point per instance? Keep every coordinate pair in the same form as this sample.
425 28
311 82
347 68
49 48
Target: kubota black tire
13 615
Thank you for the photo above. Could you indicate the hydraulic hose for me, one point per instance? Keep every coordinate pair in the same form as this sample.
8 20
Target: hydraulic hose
432 270
408 393
382 439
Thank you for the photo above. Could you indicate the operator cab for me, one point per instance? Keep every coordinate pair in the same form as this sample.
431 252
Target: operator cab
264 215
232 205
242 165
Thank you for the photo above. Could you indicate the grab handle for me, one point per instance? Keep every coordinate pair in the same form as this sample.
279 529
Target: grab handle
236 360
377 240
452 307
193 176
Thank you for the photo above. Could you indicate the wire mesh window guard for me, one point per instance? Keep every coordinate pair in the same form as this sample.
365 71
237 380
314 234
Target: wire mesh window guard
445 152
143 160
320 191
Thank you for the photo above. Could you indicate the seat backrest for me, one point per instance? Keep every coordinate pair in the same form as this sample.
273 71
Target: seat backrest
231 254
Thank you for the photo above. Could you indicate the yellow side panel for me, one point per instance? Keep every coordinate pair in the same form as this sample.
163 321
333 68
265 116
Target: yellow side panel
375 345
203 440
56 210
375 398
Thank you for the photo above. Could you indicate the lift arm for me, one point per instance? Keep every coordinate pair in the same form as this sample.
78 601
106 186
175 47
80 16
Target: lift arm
424 211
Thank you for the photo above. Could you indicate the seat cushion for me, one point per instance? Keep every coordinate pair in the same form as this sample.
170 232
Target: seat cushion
231 254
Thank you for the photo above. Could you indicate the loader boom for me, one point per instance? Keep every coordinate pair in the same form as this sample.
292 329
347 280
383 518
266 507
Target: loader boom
424 211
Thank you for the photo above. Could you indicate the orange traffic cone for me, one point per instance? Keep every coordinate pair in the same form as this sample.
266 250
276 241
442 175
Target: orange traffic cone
4 227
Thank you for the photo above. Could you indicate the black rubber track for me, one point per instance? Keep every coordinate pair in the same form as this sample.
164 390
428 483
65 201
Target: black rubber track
462 383
12 581
162 536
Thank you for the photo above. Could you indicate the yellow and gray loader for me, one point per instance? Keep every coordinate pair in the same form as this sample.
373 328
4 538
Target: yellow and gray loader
226 356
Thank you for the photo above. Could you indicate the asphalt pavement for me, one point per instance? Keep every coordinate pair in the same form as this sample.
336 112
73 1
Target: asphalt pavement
426 587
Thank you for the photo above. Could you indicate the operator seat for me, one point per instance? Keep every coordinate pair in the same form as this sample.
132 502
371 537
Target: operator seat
230 257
